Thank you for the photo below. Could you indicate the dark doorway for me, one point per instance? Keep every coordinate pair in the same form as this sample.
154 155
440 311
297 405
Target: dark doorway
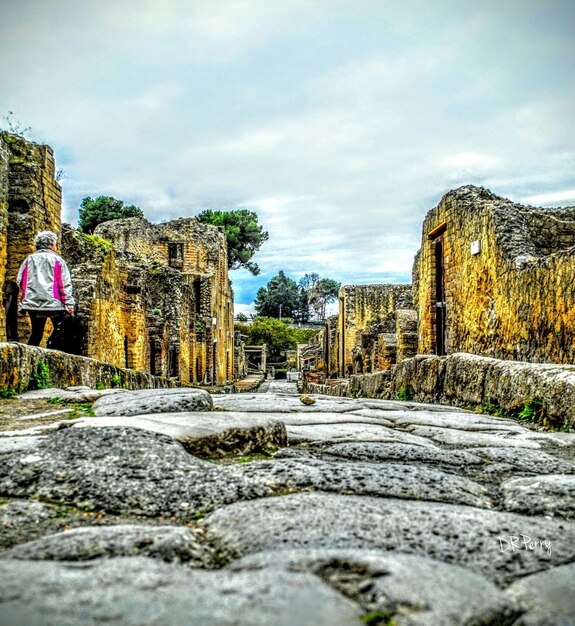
10 303
174 368
440 309
176 254
153 355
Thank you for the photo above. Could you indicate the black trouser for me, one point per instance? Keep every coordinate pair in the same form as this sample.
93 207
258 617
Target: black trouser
38 319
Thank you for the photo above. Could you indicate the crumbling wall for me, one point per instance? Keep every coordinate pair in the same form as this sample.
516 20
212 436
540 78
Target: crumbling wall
138 315
201 338
512 295
365 312
4 156
30 201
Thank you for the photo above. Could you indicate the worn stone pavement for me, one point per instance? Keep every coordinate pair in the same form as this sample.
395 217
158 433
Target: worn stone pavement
177 507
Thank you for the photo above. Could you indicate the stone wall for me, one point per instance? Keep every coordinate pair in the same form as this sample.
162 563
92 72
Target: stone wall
189 299
142 315
4 156
365 312
19 363
30 201
470 381
509 278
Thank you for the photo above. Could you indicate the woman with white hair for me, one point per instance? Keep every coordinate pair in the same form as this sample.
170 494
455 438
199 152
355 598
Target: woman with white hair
46 286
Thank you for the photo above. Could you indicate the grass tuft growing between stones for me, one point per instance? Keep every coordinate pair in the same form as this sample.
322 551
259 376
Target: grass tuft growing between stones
7 393
40 377
491 407
405 394
533 411
81 409
261 455
378 618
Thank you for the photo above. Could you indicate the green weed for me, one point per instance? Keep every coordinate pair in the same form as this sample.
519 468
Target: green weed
40 377
7 393
492 408
378 618
532 411
405 394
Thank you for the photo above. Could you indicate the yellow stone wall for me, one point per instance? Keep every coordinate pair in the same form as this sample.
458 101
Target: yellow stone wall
515 298
359 306
203 266
4 156
30 201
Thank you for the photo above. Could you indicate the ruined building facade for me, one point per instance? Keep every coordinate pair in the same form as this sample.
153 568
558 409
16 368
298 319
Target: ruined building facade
154 298
496 278
174 294
376 328
367 336
30 201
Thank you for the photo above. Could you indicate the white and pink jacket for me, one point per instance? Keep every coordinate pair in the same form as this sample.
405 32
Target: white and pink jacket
45 283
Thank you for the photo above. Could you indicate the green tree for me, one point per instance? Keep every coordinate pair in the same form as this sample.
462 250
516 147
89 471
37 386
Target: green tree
321 294
102 209
244 235
305 285
277 335
317 293
274 333
280 298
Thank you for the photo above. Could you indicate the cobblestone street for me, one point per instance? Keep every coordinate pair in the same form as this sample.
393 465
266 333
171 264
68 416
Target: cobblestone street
336 511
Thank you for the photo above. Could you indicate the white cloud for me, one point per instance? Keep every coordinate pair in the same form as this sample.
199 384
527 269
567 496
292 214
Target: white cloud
340 123
556 197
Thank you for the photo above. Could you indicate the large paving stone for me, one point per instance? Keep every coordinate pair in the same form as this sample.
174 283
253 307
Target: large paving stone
381 452
547 597
145 401
388 479
465 438
461 535
277 403
123 470
416 591
333 433
70 394
204 433
552 495
371 403
16 443
140 591
528 461
313 418
19 512
167 543
460 421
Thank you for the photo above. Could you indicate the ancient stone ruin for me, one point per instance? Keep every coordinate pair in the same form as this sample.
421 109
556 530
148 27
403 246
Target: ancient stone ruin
30 201
496 278
153 298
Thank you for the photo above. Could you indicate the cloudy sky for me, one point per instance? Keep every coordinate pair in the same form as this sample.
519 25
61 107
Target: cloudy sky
340 122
